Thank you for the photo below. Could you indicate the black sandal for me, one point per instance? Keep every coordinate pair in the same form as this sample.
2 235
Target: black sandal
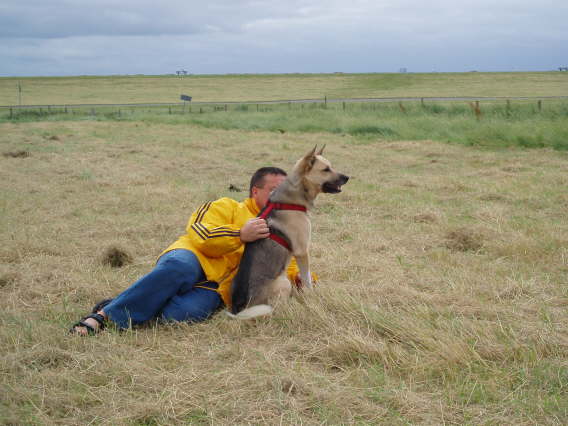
99 306
90 329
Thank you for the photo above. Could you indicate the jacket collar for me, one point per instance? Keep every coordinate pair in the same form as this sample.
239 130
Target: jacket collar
251 206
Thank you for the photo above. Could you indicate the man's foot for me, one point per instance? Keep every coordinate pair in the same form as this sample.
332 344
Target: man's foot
89 325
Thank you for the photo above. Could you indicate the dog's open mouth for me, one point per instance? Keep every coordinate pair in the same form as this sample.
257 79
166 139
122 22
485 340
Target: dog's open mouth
331 188
335 186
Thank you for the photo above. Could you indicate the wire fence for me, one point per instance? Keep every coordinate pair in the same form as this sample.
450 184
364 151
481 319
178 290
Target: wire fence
118 110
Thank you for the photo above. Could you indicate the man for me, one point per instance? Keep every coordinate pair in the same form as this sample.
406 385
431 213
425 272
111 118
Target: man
192 278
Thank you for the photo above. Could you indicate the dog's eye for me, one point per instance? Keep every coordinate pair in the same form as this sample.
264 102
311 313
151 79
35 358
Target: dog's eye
327 169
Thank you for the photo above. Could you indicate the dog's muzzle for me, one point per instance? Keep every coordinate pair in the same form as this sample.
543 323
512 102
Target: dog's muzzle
335 186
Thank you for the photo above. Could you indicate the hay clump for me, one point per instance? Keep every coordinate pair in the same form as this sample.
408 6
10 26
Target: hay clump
493 197
425 218
116 257
8 278
464 240
17 154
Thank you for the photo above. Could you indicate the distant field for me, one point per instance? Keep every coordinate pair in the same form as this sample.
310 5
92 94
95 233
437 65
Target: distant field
139 89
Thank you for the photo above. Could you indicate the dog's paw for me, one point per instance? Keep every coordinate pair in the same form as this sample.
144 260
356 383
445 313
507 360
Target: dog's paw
252 312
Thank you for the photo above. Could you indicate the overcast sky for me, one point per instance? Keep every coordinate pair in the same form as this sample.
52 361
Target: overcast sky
102 37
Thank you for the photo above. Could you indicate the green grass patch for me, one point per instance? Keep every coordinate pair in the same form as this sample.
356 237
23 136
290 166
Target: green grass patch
521 124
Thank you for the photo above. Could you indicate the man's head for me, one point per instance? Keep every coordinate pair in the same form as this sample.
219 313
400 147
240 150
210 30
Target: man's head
263 182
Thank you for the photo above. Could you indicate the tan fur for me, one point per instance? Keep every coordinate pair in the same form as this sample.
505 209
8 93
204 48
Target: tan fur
311 175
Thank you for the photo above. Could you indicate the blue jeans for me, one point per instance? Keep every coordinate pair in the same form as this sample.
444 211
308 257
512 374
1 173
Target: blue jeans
168 292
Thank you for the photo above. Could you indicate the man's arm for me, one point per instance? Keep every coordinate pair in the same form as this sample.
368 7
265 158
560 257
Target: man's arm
213 230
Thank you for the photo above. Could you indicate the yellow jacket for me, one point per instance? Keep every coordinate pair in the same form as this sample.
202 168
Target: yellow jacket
213 236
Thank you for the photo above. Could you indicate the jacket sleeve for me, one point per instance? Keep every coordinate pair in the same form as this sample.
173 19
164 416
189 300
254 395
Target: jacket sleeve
211 228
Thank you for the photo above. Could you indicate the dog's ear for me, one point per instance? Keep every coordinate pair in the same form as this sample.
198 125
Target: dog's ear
312 152
308 160
312 157
320 152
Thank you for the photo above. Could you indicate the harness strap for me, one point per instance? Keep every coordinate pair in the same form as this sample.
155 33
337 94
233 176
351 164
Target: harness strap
279 206
280 241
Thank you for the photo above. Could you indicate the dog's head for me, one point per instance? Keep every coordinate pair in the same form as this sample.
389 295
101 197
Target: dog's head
317 174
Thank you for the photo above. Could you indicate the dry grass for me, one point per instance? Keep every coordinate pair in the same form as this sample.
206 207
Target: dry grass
442 298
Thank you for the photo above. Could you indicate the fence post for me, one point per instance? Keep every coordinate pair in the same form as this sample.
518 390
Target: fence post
476 110
539 105
422 102
343 105
10 113
508 108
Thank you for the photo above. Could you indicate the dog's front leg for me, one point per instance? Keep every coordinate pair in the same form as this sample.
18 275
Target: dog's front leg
300 243
304 265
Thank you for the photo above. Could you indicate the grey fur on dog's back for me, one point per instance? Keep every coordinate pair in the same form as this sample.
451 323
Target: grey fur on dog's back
262 261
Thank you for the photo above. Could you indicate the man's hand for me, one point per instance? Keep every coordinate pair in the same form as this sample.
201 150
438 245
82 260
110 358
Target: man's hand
253 230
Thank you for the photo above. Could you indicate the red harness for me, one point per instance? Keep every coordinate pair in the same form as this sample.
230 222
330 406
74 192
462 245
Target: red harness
279 206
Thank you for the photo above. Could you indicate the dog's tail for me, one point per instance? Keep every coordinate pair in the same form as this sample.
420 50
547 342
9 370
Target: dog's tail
252 312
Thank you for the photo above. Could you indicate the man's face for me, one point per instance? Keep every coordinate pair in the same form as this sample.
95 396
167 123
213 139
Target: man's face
261 195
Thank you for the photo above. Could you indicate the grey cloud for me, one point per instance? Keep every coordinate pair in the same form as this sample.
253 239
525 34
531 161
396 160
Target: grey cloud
60 18
221 36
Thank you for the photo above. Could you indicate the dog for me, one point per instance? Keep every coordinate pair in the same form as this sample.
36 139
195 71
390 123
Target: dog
261 279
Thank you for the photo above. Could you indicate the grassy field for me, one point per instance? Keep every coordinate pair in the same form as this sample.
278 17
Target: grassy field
443 295
219 88
495 125
498 124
